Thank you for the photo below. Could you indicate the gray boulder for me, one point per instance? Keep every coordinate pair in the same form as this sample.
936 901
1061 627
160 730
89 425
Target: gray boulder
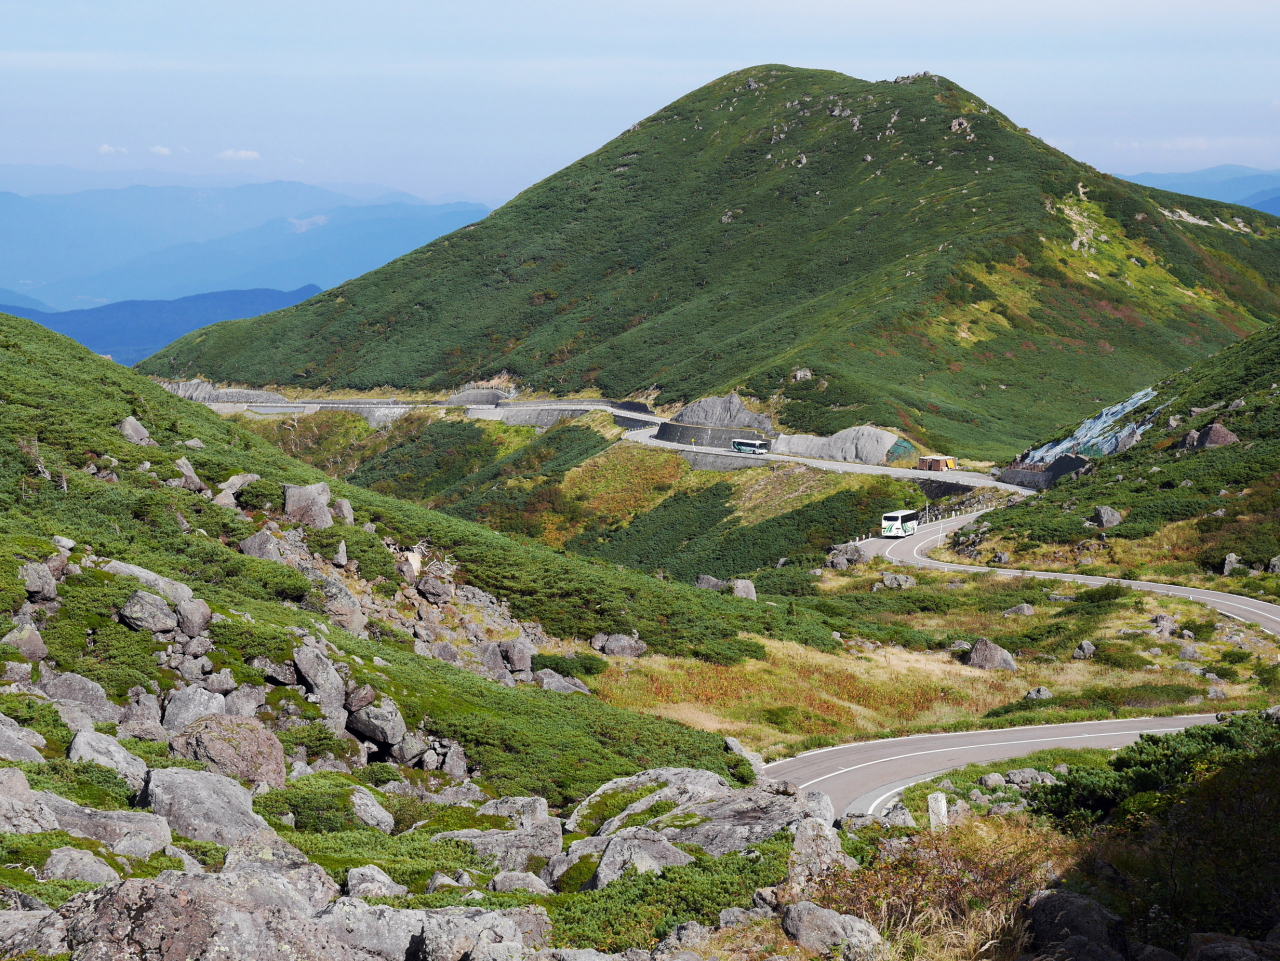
820 930
549 680
1020 610
361 697
21 811
308 505
134 432
744 588
105 750
190 704
518 653
74 864
441 934
619 645
455 763
853 445
321 679
369 811
898 581
193 617
1106 517
1231 562
735 821
14 747
147 612
28 641
640 848
1083 651
173 591
992 780
38 582
1038 694
262 545
989 656
434 590
382 722
507 881
536 834
816 853
109 827
674 785
201 805
1215 435
1189 653
189 479
342 510
141 717
708 583
371 881
898 815
88 694
235 747
1054 916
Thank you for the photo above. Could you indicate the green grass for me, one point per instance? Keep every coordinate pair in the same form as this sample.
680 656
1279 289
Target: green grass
705 249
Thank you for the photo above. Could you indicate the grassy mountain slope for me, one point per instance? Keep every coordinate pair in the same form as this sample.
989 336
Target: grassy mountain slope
937 268
1184 510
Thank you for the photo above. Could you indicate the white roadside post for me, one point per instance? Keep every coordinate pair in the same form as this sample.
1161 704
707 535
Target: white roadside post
937 812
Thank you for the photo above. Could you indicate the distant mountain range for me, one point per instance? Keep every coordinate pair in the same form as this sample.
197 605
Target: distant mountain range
1230 183
141 242
133 329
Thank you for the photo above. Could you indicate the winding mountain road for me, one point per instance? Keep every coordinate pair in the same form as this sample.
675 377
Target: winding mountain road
862 778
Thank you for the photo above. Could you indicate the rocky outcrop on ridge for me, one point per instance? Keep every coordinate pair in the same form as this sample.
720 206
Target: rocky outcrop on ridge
853 445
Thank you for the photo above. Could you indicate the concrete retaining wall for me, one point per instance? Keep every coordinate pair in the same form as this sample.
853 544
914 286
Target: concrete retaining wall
716 437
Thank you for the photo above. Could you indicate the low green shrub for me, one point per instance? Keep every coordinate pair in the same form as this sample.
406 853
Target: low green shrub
81 781
579 665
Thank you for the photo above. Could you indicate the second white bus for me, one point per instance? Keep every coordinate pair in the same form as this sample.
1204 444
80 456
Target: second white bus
899 523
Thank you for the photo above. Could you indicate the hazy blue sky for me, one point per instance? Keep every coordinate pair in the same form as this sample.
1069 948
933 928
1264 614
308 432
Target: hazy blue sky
478 98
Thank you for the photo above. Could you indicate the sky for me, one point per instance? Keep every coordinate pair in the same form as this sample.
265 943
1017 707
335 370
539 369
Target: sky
481 98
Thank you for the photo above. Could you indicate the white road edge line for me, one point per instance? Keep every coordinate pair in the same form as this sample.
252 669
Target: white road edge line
940 750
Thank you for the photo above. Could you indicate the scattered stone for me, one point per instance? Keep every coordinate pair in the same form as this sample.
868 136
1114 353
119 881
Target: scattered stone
342 510
1215 435
38 581
262 545
1083 651
1189 653
193 617
507 881
1230 564
1106 517
21 811
898 816
549 680
308 505
135 433
88 694
744 588
819 930
105 750
147 612
369 811
28 642
74 864
189 705
340 555
434 590
202 805
1020 610
991 780
708 583
898 581
1000 557
989 656
1038 694
379 722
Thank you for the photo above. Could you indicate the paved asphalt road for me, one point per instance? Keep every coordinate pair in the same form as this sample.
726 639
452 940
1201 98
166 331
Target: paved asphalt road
861 778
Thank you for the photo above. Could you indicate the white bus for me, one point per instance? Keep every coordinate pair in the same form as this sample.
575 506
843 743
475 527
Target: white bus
751 446
899 523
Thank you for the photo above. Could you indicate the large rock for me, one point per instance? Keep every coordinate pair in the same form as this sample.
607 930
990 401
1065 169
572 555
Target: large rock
322 680
1106 517
202 805
744 588
1215 435
106 750
819 930
371 881
989 657
28 642
382 722
173 591
263 857
455 762
74 864
434 590
235 747
708 583
854 445
536 834
343 512
675 785
341 605
24 734
519 653
736 821
193 617
14 748
726 411
134 432
188 705
262 545
21 811
109 827
505 882
1054 916
549 680
898 582
816 853
88 694
308 505
369 811
147 612
141 717
38 582
1020 610
646 851
189 479
442 934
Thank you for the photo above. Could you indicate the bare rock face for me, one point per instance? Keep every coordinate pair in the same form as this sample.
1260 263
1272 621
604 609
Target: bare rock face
371 881
88 694
106 750
147 612
728 411
989 656
678 785
235 747
441 934
308 505
640 848
262 545
853 445
202 805
189 705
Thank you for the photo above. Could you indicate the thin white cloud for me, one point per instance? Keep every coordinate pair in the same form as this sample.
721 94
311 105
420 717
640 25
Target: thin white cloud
302 226
162 151
107 149
239 155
